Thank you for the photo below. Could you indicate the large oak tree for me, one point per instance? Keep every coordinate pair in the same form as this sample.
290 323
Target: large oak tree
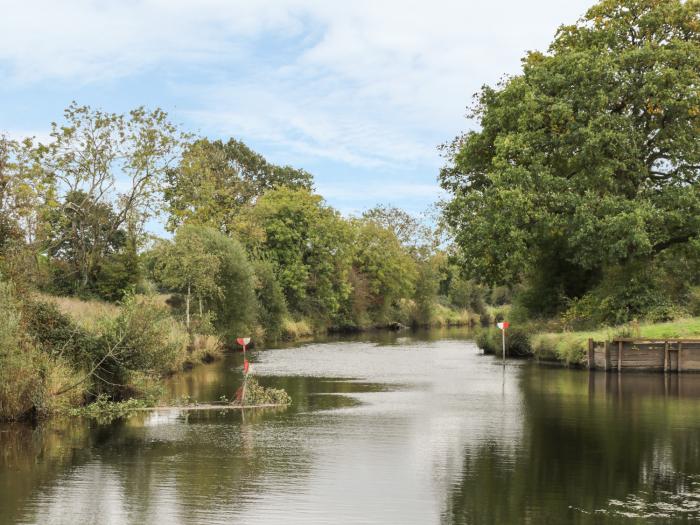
589 159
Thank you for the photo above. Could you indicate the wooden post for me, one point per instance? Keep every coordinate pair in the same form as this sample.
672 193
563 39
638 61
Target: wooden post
607 356
680 348
619 356
591 355
666 359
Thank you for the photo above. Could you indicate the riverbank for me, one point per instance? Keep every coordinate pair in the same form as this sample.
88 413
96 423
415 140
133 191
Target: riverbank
570 347
62 354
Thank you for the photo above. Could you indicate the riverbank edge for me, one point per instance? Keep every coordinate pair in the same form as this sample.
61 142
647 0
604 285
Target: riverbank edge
92 317
570 348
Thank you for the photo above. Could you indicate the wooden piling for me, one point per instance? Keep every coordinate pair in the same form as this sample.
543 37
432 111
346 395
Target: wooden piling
619 356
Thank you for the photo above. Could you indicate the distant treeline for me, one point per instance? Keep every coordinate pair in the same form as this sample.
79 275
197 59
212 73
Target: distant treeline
252 245
252 251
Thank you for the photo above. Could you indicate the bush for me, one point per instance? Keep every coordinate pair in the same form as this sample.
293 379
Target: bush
22 387
569 348
56 334
626 293
517 342
256 394
136 347
272 306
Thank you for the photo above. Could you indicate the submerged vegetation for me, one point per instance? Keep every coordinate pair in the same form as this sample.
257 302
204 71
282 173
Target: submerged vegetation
256 394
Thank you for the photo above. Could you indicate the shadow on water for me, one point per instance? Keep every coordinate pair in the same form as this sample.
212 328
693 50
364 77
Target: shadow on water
384 428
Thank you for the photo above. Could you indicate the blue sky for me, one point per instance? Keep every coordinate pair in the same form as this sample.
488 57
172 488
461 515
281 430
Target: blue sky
359 93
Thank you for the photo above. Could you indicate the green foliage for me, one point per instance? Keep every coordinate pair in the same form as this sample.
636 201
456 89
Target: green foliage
235 309
625 293
187 267
468 294
20 386
388 270
418 238
569 348
307 242
589 158
104 411
517 342
215 180
57 334
426 291
256 394
90 222
272 306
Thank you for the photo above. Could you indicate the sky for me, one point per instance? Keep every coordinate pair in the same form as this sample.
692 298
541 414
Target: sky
358 92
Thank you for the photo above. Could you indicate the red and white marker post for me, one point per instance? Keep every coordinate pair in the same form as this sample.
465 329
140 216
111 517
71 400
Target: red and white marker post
503 325
244 341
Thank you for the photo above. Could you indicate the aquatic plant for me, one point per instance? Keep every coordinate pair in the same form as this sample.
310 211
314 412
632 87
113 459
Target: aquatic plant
256 394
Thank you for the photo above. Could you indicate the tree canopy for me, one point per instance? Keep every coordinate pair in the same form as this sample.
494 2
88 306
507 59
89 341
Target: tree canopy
588 159
214 180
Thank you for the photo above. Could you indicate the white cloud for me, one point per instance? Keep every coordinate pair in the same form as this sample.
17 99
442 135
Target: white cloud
368 83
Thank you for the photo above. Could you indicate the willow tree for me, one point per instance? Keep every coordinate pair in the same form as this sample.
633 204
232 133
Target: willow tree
588 160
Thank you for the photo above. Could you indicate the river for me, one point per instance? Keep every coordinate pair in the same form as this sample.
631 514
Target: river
384 428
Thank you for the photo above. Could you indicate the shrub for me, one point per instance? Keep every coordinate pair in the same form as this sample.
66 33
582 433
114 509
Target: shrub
569 348
21 384
56 334
517 342
145 326
272 306
292 330
256 394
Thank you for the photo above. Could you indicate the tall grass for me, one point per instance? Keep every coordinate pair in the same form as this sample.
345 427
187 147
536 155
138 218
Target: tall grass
292 329
571 347
88 314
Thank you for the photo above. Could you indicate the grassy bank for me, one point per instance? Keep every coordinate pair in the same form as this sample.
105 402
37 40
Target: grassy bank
59 353
570 347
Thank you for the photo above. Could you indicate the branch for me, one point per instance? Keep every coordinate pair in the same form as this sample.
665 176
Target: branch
92 372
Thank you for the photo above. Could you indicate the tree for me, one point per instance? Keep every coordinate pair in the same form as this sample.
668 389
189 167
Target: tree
389 270
272 306
26 192
72 233
215 180
188 268
418 237
589 159
235 309
106 160
308 244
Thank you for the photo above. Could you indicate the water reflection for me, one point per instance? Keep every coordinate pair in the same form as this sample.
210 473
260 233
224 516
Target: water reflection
393 429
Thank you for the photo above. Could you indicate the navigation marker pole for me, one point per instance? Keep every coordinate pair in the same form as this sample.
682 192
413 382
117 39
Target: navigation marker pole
244 341
503 325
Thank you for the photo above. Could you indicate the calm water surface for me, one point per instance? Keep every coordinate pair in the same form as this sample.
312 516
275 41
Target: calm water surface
408 428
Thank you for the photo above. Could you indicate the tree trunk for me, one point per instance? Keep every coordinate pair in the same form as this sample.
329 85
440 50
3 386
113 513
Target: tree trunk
201 308
187 306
